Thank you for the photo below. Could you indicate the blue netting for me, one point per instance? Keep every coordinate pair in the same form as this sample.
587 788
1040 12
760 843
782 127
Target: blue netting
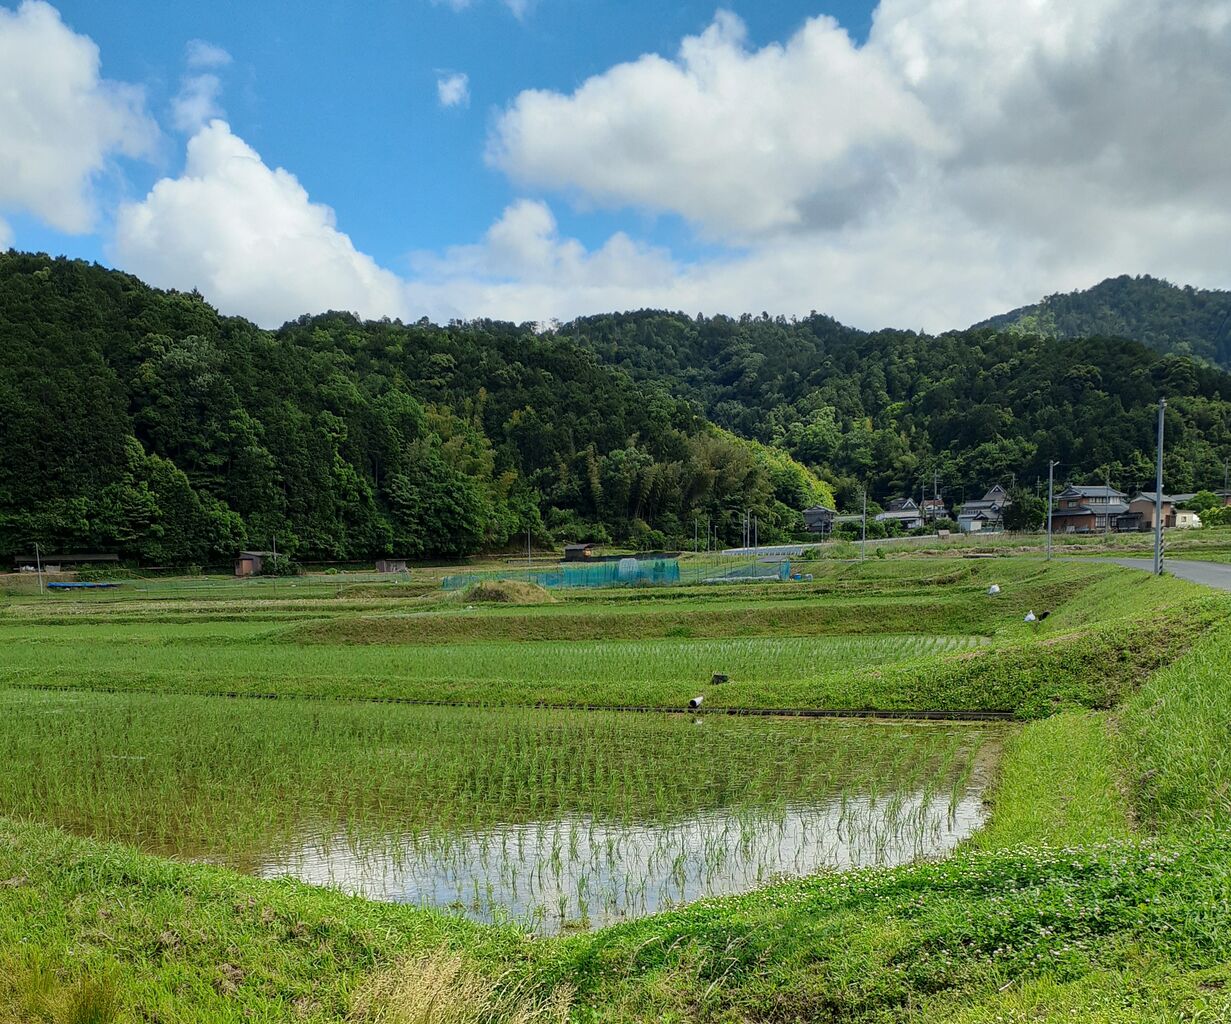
625 572
634 572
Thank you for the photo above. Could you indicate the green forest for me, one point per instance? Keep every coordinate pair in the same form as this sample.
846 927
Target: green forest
142 422
899 409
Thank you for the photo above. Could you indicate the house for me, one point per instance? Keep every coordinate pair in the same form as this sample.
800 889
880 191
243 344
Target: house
819 519
1140 513
251 563
1082 508
933 509
987 513
386 565
1186 520
578 552
904 512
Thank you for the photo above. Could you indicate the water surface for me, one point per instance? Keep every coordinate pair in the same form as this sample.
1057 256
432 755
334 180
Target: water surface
552 819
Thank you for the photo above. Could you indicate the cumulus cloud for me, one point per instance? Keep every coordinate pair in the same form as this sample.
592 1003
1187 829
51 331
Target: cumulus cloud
453 89
969 156
739 142
1009 148
61 123
524 269
249 237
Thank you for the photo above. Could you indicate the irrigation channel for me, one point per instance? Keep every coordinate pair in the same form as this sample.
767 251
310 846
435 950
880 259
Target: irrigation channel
551 819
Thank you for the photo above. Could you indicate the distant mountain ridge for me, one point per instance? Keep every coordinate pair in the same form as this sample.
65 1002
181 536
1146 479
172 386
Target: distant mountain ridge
1168 318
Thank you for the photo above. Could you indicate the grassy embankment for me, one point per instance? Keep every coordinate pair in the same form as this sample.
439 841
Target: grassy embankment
1101 891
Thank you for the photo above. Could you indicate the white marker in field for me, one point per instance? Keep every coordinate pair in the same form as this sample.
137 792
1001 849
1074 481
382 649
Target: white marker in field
1031 617
993 590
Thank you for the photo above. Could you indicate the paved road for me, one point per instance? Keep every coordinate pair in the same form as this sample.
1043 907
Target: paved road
1212 574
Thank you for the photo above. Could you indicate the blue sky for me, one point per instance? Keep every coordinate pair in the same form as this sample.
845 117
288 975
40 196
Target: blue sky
910 163
345 96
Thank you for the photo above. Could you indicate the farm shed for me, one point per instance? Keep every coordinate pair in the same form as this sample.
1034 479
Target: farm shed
250 563
578 552
819 519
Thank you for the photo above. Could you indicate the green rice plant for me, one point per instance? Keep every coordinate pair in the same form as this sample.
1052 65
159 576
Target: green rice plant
429 804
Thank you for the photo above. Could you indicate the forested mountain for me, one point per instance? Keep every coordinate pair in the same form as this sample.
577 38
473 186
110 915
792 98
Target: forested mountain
141 421
1167 318
894 407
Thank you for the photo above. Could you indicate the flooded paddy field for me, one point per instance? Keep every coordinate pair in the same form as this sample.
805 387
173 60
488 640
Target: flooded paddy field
552 819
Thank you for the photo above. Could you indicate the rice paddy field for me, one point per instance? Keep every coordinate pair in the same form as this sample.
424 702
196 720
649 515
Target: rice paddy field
359 800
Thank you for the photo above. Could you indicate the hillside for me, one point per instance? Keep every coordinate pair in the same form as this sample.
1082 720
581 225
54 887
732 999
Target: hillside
143 422
1167 318
895 407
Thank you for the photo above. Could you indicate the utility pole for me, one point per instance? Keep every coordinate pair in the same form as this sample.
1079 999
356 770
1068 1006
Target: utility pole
38 562
1158 493
863 553
1107 518
1051 466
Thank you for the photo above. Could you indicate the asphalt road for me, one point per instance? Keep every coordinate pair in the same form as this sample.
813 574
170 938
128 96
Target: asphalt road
1212 574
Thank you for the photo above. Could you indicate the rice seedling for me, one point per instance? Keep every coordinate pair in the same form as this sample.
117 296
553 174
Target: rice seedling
544 816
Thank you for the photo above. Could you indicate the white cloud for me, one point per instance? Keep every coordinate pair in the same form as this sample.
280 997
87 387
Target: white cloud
61 124
197 102
523 269
739 142
973 153
453 89
202 54
249 238
520 8
6 236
